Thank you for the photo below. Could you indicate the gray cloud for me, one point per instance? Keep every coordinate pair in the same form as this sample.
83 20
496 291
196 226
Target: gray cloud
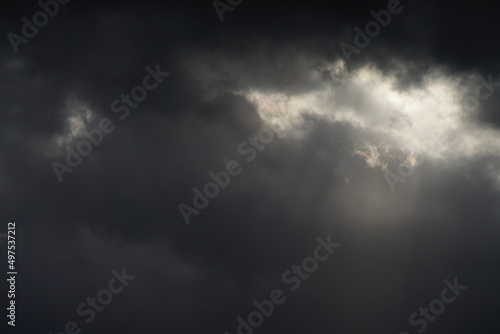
341 126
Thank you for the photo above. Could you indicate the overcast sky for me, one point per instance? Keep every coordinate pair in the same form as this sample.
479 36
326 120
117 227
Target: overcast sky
382 138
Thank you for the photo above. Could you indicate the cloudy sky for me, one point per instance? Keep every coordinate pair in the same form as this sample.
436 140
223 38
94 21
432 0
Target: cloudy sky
206 149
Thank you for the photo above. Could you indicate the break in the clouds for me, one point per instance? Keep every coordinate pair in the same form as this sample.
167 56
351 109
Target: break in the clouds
419 101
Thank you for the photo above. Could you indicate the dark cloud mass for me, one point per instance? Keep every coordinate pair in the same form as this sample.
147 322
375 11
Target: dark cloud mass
390 151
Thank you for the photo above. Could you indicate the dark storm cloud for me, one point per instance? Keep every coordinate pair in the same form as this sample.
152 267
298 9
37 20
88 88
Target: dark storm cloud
119 208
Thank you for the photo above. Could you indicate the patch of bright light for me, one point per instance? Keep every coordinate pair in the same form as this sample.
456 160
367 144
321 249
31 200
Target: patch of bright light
369 99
